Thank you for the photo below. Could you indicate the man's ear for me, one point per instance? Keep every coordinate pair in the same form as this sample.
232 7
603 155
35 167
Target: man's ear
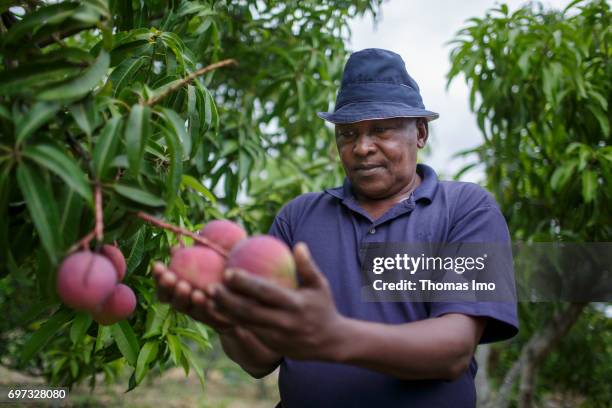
422 132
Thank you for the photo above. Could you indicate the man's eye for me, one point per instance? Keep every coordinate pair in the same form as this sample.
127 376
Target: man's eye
380 129
346 134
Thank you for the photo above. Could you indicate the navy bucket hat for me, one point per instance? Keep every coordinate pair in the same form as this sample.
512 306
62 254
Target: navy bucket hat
376 85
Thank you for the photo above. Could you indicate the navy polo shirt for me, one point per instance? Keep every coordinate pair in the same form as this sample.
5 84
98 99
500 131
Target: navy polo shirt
334 227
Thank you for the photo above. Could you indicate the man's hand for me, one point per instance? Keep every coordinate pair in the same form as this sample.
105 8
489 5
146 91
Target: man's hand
238 343
300 324
186 299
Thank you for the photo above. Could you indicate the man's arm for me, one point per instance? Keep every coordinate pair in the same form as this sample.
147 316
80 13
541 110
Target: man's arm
305 324
438 348
238 343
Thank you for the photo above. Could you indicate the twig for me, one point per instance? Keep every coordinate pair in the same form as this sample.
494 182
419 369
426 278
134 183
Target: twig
54 37
99 228
77 147
98 231
153 100
82 243
182 231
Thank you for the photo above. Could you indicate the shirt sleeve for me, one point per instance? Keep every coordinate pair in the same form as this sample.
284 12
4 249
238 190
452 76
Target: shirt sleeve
485 224
281 229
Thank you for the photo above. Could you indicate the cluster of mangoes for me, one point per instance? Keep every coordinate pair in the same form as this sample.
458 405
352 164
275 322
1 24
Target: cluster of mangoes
90 281
262 255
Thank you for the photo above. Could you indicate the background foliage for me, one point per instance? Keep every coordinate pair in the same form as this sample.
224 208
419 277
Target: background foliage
540 87
87 97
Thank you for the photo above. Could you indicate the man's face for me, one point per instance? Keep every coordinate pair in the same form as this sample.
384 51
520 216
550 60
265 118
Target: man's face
379 156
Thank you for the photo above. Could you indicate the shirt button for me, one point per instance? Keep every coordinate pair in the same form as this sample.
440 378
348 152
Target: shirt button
372 231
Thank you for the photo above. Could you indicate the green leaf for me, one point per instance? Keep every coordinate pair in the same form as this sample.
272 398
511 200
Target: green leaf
4 113
72 209
41 336
174 42
190 181
106 146
79 327
125 72
55 160
589 185
201 328
139 196
74 368
34 310
562 174
602 118
174 345
137 131
81 85
211 115
173 181
41 204
184 361
55 13
193 335
147 354
30 78
194 97
156 316
37 116
196 366
523 62
606 153
104 335
177 125
81 117
134 256
5 188
126 341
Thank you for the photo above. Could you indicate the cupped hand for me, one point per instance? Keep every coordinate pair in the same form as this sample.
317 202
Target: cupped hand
300 324
189 300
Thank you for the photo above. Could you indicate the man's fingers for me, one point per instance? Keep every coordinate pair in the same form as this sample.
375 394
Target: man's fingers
261 289
198 298
268 336
165 286
203 310
306 268
181 300
158 270
244 310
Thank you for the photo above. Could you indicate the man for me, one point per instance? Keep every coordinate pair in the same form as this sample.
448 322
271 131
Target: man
333 348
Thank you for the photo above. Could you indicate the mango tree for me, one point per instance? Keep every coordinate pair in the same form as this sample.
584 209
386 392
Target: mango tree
540 88
112 111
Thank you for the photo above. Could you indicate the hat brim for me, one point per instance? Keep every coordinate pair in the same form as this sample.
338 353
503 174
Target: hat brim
360 111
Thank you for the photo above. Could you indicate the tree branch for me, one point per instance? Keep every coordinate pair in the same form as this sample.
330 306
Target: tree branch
99 228
532 355
181 231
155 99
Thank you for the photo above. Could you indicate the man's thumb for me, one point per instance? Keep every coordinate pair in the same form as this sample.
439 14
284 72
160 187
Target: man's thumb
307 270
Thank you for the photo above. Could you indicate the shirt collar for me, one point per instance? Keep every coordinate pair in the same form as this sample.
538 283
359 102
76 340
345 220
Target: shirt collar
425 191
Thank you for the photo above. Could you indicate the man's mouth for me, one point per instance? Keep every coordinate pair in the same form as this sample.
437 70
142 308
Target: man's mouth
367 168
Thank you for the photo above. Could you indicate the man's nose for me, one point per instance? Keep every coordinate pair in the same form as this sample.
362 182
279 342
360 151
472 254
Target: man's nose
364 144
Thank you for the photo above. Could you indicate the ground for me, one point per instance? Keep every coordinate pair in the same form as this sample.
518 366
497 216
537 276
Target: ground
226 387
